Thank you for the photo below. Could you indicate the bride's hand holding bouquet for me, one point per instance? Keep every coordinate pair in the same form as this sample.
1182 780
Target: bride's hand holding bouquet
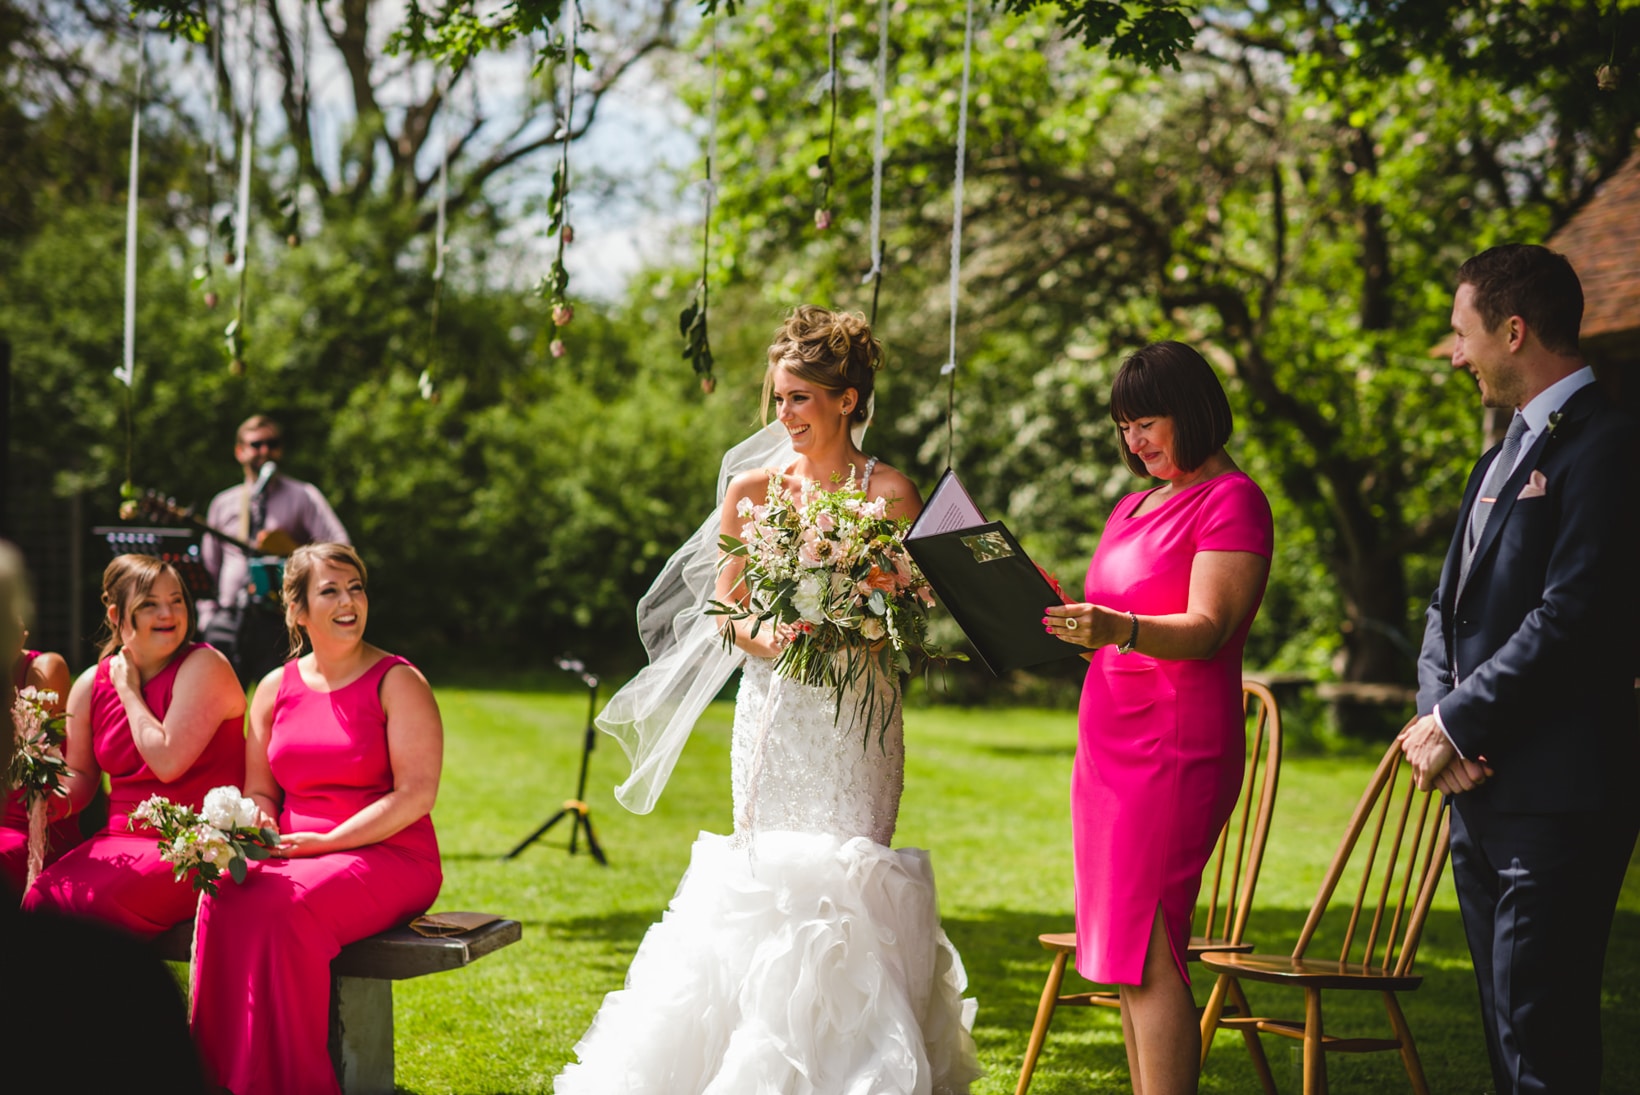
828 578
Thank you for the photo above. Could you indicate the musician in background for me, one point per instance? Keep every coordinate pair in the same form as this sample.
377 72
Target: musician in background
275 515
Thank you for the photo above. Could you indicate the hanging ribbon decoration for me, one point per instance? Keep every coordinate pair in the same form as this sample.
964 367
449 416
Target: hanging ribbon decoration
234 335
949 369
127 371
697 346
205 272
875 274
827 87
555 285
427 382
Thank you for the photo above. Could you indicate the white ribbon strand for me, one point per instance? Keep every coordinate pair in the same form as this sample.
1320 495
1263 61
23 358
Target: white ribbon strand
242 221
127 372
877 149
950 366
443 172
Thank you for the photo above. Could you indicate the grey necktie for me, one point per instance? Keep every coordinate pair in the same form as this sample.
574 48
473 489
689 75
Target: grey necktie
1496 476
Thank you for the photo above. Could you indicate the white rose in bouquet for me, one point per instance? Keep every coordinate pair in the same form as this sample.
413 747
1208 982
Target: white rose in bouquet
227 809
213 848
809 600
221 804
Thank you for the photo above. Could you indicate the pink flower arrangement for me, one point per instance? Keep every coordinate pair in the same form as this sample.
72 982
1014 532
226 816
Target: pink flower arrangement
830 566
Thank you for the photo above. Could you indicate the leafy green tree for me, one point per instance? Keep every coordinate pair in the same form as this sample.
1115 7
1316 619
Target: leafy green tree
1274 202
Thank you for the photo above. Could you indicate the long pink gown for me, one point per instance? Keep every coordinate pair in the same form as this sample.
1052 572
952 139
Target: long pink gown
61 835
117 876
1161 747
263 949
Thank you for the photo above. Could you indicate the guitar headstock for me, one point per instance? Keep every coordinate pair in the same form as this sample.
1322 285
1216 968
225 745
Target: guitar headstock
150 505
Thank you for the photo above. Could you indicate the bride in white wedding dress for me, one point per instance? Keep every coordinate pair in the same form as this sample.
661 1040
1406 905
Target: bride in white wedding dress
801 955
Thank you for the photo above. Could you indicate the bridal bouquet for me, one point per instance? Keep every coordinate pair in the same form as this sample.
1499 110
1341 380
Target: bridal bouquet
207 843
832 566
37 766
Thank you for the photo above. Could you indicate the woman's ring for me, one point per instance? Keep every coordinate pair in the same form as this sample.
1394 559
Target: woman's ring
1070 623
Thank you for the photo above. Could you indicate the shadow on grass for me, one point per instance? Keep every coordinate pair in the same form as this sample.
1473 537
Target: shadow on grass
625 926
1007 968
1066 750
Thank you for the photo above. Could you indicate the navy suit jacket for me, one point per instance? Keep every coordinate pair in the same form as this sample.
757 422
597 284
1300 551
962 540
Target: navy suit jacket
1533 661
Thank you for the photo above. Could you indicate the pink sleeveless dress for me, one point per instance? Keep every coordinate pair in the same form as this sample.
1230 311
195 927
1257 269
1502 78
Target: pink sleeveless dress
61 835
263 949
117 875
1161 748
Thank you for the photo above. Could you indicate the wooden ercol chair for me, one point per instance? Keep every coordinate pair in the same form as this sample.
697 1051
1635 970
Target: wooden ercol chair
1407 834
1232 872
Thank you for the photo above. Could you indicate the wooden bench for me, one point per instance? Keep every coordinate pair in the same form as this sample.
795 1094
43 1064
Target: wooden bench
361 990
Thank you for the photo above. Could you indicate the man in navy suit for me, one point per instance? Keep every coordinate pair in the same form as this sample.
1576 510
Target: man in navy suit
1526 703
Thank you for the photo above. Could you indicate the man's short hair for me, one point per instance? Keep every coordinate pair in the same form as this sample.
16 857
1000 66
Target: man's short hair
256 422
1532 282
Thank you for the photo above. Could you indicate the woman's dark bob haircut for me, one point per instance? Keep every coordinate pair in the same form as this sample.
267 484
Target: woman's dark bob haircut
1170 380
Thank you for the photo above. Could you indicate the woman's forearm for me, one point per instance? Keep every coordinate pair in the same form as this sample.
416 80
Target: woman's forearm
380 820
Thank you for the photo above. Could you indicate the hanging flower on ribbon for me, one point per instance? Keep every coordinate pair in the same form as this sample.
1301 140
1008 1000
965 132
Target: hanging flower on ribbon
697 345
554 285
824 175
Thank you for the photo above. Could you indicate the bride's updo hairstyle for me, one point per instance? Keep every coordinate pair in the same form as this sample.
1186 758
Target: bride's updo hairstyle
299 570
831 350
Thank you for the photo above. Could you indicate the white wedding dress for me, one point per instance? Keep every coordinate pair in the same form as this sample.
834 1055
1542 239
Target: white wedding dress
801 955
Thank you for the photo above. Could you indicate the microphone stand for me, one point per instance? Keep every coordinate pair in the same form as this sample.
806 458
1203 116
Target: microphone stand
575 808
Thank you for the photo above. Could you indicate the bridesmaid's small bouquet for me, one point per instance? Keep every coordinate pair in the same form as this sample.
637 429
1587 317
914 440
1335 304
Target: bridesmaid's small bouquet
832 565
37 765
208 843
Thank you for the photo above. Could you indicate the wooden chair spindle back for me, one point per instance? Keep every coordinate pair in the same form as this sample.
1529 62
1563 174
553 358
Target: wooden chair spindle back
1400 868
1240 850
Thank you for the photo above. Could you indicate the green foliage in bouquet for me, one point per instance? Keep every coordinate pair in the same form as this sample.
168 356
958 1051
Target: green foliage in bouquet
204 846
37 765
828 569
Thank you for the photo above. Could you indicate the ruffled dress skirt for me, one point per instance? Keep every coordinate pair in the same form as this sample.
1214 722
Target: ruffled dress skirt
794 959
797 964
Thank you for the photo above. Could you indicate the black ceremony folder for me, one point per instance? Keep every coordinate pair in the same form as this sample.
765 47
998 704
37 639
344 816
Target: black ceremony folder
985 579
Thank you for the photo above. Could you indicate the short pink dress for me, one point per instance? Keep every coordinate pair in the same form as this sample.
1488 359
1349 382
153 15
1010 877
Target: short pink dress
117 876
61 835
263 949
1161 748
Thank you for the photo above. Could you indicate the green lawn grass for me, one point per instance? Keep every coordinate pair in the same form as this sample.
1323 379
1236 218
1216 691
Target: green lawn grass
986 794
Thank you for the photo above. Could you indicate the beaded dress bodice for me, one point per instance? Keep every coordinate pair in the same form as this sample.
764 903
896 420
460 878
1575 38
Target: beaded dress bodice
797 767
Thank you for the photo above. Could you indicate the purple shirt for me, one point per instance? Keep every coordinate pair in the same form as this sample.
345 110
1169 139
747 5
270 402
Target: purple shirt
292 505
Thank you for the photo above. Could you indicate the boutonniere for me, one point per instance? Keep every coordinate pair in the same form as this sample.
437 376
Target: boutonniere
1554 420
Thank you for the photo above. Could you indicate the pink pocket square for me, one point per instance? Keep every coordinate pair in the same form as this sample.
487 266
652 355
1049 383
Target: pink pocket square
1536 487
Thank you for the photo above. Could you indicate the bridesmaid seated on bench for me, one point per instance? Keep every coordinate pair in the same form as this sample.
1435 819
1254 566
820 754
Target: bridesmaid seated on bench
343 756
161 716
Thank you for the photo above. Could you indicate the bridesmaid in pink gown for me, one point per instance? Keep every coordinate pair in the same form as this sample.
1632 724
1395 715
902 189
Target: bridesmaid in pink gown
44 672
1171 594
159 715
344 754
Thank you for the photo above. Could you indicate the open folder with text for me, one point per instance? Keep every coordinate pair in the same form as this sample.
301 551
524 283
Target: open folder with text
984 579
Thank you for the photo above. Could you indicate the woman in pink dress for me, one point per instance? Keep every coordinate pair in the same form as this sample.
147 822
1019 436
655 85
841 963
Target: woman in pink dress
344 754
1171 593
43 672
160 716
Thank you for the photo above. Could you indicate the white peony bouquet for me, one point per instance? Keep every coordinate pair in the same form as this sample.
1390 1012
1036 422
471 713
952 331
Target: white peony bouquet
831 565
216 840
